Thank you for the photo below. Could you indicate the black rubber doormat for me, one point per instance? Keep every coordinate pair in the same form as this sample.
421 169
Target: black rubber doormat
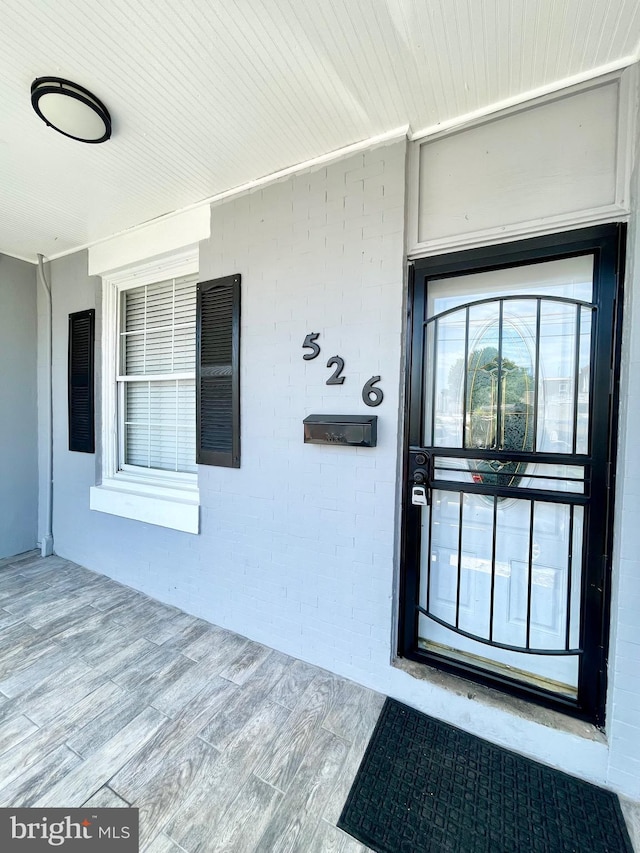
426 787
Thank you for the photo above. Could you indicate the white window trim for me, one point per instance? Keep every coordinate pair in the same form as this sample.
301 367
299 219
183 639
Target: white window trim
167 498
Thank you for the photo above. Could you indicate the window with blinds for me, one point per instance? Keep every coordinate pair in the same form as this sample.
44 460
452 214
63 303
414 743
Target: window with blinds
156 376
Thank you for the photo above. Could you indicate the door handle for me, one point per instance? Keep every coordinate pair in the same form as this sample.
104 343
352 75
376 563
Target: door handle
421 491
421 480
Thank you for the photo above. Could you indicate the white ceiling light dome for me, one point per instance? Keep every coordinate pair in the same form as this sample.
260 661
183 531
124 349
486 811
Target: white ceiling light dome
70 109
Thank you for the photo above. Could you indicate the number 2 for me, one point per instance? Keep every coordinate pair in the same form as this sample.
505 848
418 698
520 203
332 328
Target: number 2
335 378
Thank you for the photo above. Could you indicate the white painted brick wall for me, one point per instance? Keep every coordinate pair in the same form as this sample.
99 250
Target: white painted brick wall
322 252
286 554
297 546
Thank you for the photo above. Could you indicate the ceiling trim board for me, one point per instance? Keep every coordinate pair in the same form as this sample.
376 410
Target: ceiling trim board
390 136
524 97
19 258
404 131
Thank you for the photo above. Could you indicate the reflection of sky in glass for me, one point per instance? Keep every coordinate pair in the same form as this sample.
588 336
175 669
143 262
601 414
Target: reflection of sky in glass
557 338
571 278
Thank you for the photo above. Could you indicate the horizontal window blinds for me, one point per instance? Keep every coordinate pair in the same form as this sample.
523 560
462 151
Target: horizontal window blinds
160 328
218 372
157 375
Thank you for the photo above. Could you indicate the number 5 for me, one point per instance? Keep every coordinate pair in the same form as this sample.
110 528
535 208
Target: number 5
309 344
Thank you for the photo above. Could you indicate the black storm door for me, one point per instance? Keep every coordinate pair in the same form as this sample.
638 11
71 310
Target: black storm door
509 465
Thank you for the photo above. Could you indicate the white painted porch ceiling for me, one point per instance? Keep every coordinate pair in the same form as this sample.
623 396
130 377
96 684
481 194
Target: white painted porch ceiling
206 95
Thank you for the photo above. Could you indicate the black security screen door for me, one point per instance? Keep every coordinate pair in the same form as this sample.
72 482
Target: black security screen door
508 465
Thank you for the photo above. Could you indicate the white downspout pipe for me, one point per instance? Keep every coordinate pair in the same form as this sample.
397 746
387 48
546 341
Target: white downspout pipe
46 544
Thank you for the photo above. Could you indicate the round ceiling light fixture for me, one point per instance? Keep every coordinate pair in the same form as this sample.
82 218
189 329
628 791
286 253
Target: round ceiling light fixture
70 109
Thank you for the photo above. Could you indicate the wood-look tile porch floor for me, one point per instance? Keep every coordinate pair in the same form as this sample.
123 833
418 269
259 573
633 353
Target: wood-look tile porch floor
110 698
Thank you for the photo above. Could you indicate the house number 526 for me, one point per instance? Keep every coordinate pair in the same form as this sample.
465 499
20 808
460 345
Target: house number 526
371 395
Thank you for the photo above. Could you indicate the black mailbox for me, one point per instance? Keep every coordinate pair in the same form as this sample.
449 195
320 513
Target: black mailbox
350 430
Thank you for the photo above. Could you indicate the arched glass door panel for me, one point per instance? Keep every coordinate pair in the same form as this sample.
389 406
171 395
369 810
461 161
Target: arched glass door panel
506 439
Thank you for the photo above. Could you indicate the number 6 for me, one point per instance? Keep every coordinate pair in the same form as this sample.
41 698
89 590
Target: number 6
370 395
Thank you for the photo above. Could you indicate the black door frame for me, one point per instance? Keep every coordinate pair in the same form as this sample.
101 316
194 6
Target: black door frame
607 244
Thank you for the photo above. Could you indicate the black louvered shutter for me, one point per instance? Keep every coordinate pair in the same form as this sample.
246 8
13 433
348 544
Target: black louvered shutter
80 382
218 372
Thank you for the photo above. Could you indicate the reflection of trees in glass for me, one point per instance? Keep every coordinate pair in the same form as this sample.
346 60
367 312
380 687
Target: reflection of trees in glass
485 370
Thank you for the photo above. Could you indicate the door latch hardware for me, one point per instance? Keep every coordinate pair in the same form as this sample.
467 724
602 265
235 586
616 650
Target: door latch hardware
419 496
